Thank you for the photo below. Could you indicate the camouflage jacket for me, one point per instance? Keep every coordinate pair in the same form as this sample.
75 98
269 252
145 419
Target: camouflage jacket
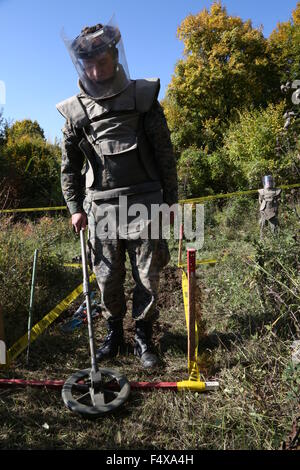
156 130
269 202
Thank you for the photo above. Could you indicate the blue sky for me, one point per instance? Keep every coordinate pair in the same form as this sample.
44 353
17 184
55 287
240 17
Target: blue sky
36 68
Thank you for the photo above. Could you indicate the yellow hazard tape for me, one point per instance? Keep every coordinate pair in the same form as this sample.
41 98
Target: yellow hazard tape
238 193
198 263
73 265
183 201
193 369
207 261
33 209
216 196
41 326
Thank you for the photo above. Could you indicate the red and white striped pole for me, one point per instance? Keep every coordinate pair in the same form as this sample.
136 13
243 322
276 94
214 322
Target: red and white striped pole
58 384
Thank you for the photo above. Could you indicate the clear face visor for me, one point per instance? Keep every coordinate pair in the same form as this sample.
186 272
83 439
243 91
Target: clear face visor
100 61
268 181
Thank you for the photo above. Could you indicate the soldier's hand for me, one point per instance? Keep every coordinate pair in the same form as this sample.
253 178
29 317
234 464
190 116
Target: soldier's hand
79 221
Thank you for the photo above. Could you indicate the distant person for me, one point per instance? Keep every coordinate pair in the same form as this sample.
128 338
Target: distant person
269 198
119 127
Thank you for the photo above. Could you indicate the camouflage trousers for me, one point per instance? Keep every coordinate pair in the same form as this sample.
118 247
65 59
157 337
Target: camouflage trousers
272 222
108 256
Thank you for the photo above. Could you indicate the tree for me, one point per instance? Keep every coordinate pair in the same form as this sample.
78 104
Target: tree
25 128
192 172
2 128
32 164
227 66
257 145
284 46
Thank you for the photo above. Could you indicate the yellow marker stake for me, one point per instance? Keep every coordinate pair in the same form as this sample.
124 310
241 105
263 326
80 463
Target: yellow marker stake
192 364
43 324
197 386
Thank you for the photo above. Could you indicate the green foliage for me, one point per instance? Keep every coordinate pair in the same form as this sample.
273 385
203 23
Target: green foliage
221 172
253 146
31 165
291 375
192 172
24 128
201 173
2 128
259 389
224 105
257 145
284 44
226 67
232 216
17 244
276 274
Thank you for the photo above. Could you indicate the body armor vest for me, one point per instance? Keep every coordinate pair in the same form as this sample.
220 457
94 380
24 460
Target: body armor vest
119 157
269 202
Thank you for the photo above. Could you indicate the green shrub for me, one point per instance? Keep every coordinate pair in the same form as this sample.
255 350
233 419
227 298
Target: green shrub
276 274
31 166
17 244
257 145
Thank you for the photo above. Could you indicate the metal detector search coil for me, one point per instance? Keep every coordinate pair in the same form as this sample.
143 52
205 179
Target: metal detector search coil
108 391
93 392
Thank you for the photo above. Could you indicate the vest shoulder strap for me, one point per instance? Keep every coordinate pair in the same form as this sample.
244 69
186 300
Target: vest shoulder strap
146 93
72 109
274 192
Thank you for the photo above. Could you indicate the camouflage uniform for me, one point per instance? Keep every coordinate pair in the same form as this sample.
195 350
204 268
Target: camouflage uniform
147 257
269 202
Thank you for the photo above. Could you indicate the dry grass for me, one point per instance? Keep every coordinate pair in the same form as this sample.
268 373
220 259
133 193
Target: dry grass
254 408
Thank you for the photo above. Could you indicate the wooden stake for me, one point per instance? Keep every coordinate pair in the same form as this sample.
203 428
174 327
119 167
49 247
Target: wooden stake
191 268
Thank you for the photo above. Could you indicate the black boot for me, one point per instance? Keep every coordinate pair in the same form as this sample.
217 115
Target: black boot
143 346
113 340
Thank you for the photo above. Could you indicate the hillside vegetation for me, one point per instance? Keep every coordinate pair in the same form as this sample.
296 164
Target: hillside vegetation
250 318
227 117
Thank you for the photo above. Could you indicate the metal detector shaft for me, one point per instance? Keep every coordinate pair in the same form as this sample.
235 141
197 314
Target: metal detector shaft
86 292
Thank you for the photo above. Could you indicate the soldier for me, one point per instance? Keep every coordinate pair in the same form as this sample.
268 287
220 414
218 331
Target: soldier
117 127
269 200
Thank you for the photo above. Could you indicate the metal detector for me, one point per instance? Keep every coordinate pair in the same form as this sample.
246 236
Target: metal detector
93 392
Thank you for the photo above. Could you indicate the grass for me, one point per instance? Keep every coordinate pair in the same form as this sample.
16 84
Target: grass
242 348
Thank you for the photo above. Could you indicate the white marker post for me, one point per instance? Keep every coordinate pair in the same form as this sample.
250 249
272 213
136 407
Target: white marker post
31 302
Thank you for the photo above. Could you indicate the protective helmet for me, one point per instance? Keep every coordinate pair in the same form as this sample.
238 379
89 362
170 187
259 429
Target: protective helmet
94 40
100 49
268 181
